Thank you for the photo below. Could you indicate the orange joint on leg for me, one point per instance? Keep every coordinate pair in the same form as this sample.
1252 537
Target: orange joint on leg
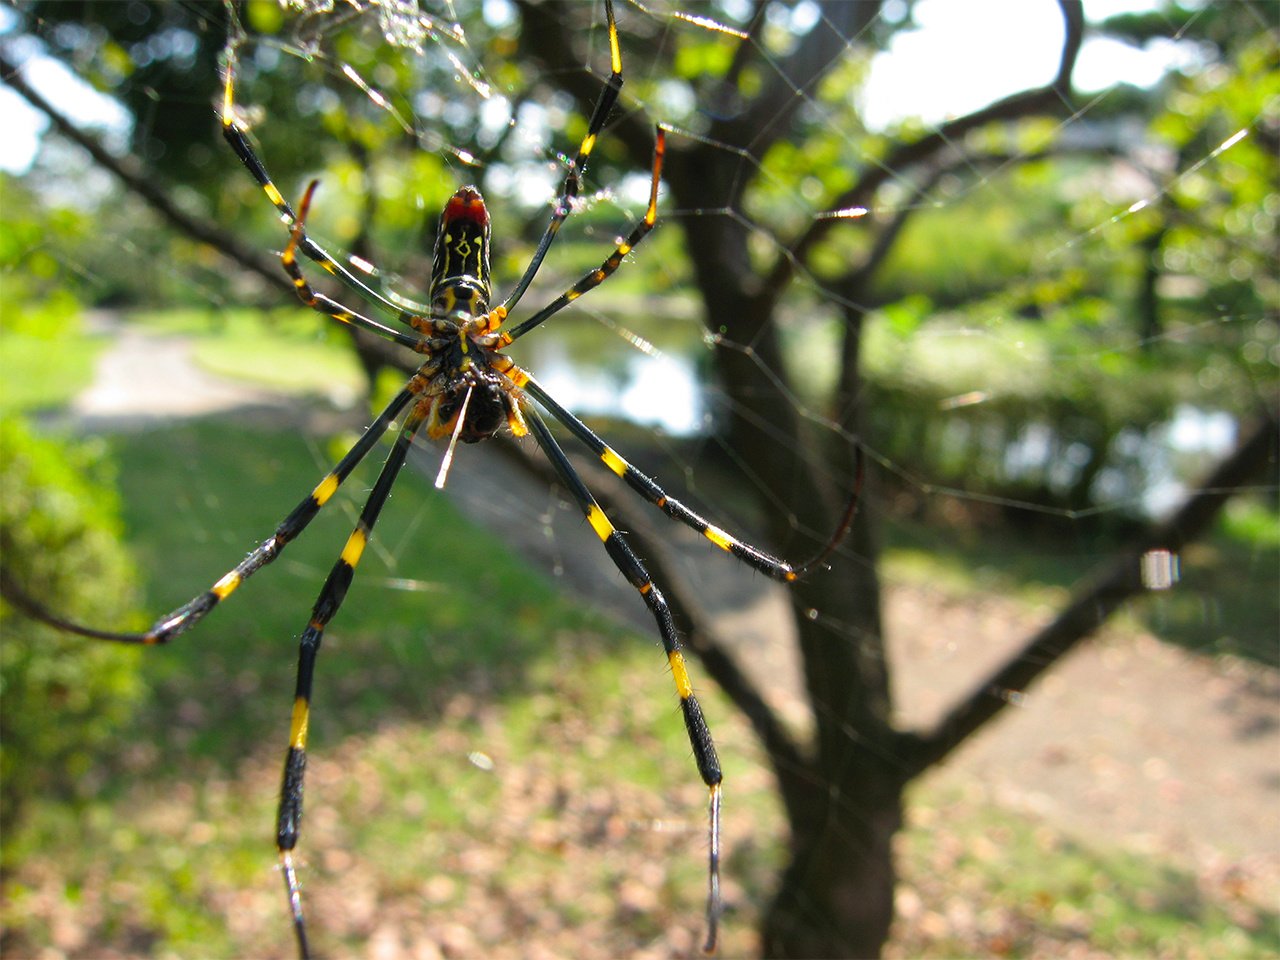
680 674
515 420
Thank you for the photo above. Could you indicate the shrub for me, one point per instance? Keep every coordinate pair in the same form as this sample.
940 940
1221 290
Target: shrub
62 698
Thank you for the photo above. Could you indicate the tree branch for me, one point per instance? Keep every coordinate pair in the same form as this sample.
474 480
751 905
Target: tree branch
770 113
1107 589
135 178
129 172
1027 103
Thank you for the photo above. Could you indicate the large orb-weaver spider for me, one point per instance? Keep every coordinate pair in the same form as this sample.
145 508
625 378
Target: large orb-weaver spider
464 389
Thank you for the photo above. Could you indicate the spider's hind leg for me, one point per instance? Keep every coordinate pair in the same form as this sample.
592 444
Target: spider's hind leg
334 591
629 565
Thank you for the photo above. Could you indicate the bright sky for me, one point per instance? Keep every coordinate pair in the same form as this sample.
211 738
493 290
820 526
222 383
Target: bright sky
949 66
954 63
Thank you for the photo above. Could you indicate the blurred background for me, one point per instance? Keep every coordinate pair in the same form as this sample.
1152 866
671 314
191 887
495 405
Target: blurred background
1020 254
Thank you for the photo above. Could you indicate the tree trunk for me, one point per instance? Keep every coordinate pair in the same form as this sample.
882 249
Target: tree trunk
843 800
835 898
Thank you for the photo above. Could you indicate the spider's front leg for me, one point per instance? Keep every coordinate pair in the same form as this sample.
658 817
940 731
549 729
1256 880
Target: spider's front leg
332 308
237 138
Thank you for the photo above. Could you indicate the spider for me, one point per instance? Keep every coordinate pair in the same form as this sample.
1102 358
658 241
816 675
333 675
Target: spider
465 389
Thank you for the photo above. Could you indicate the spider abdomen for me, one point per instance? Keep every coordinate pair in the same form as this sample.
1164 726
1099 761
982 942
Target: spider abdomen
487 410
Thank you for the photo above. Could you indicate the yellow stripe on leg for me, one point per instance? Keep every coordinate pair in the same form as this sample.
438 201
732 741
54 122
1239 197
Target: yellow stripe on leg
599 522
325 489
355 547
717 536
615 53
273 194
680 674
613 461
298 727
224 587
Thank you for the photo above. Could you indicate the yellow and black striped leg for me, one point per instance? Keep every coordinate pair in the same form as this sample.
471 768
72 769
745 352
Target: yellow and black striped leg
289 816
648 488
329 306
629 564
603 272
185 617
239 142
573 180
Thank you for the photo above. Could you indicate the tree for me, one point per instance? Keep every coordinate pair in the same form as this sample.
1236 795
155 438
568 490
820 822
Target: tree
842 791
778 111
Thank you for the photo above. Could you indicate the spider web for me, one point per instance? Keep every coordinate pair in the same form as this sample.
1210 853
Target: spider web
433 75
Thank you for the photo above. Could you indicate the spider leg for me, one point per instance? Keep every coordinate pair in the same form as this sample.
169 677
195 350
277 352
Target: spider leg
235 135
629 565
193 611
289 816
573 180
602 273
648 488
332 308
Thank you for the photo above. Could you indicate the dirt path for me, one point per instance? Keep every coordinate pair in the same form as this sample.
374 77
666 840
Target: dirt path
1129 741
145 379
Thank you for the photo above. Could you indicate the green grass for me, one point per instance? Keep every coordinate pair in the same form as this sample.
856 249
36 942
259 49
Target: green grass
290 350
203 494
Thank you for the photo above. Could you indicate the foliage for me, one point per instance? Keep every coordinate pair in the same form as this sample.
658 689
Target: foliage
44 352
154 57
63 701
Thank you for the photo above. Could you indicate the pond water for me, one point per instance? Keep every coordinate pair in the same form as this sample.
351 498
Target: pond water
651 371
643 369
